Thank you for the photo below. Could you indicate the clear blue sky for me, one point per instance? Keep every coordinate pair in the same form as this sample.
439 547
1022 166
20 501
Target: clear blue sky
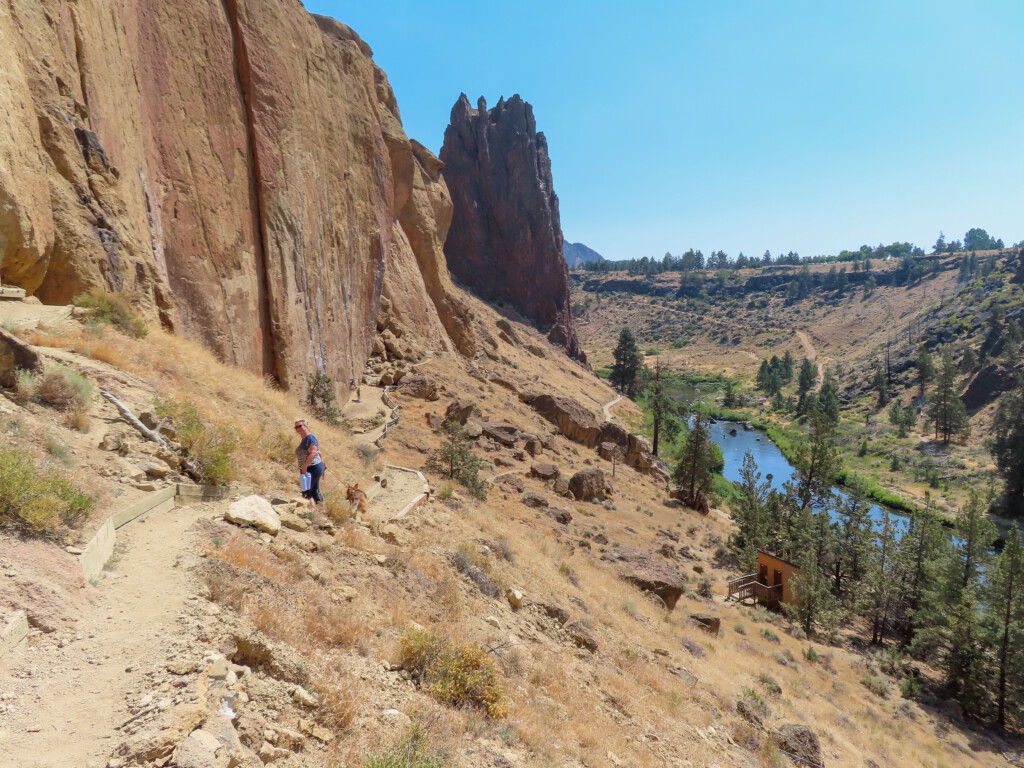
736 124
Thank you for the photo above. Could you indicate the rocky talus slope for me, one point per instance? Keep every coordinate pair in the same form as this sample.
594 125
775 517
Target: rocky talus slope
239 167
505 240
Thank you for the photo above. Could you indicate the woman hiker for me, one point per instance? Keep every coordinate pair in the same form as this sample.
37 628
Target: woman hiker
310 460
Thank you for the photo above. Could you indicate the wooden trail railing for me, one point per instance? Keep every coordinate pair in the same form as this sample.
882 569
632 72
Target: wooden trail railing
394 415
748 587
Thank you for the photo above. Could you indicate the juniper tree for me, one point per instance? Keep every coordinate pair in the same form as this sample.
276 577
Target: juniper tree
808 375
813 603
880 382
627 363
881 582
924 549
751 513
1004 609
828 400
817 462
925 369
854 542
692 475
1008 449
945 407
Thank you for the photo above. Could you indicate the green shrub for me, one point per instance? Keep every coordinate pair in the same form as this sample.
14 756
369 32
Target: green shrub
739 628
114 309
770 635
810 654
321 399
454 673
25 386
875 683
910 687
770 684
455 460
211 449
37 502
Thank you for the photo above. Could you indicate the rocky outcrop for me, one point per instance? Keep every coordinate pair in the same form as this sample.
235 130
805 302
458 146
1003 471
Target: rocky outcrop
238 167
572 419
16 355
505 240
648 573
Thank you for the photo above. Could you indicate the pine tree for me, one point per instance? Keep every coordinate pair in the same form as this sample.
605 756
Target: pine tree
880 382
945 407
925 369
692 475
813 603
1004 609
627 363
663 409
924 550
787 366
1008 449
964 663
817 462
882 579
750 512
854 543
808 375
828 400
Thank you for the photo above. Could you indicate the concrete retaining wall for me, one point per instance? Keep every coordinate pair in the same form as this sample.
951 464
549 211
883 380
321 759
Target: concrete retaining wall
12 634
99 549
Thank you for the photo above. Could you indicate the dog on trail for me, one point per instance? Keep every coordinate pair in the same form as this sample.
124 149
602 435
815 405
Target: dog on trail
357 499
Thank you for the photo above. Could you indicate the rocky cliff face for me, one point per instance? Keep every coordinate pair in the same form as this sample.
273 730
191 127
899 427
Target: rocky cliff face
237 166
505 240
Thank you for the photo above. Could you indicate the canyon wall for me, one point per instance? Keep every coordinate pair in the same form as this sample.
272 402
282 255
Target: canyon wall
505 240
237 167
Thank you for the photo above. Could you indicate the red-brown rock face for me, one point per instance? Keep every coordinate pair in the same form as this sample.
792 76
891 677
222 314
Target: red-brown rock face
239 166
505 240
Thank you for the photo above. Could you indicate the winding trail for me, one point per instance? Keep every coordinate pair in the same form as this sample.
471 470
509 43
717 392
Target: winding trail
69 693
608 406
812 355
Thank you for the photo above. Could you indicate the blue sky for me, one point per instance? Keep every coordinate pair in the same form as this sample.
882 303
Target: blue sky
736 124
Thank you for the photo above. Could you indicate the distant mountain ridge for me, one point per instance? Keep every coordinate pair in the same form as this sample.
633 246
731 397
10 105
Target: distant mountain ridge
578 253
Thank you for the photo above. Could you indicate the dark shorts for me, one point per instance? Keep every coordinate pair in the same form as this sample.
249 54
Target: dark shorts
316 471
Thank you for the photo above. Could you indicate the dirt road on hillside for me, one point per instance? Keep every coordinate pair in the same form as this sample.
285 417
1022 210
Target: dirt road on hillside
812 354
608 406
64 697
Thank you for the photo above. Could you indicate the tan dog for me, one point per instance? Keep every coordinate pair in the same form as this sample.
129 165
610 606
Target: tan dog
357 499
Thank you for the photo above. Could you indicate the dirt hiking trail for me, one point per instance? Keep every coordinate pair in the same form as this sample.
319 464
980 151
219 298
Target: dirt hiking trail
87 680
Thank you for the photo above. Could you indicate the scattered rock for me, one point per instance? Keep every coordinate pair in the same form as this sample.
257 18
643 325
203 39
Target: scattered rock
515 598
459 411
269 753
561 486
501 432
301 696
640 568
391 533
511 481
555 612
294 522
581 635
707 622
534 500
563 516
493 621
168 731
545 471
418 385
572 419
182 667
748 712
589 484
201 750
799 740
254 511
318 732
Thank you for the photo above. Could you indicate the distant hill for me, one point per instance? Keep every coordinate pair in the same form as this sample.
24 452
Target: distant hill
578 253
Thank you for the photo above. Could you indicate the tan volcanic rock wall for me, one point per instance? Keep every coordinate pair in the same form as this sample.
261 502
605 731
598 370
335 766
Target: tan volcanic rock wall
238 166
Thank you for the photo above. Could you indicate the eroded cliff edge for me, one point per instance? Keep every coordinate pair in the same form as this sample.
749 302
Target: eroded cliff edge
505 240
238 166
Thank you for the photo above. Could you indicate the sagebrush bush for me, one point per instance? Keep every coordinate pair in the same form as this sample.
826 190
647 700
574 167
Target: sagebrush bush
875 683
64 389
37 502
115 309
454 673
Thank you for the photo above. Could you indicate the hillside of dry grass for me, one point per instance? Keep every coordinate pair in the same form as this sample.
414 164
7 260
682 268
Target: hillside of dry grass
592 671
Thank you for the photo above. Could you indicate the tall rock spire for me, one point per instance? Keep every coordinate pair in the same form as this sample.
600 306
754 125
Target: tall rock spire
505 241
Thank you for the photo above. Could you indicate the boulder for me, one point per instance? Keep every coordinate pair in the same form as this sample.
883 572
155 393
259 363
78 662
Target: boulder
501 432
648 573
573 420
707 622
561 486
160 739
534 500
563 516
511 481
609 451
800 740
201 750
418 385
15 354
459 410
581 635
545 471
256 512
589 484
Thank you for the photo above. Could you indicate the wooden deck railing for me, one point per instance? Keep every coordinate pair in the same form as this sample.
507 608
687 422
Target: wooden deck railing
748 587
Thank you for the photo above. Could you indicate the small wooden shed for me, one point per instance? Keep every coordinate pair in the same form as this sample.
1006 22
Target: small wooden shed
769 586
